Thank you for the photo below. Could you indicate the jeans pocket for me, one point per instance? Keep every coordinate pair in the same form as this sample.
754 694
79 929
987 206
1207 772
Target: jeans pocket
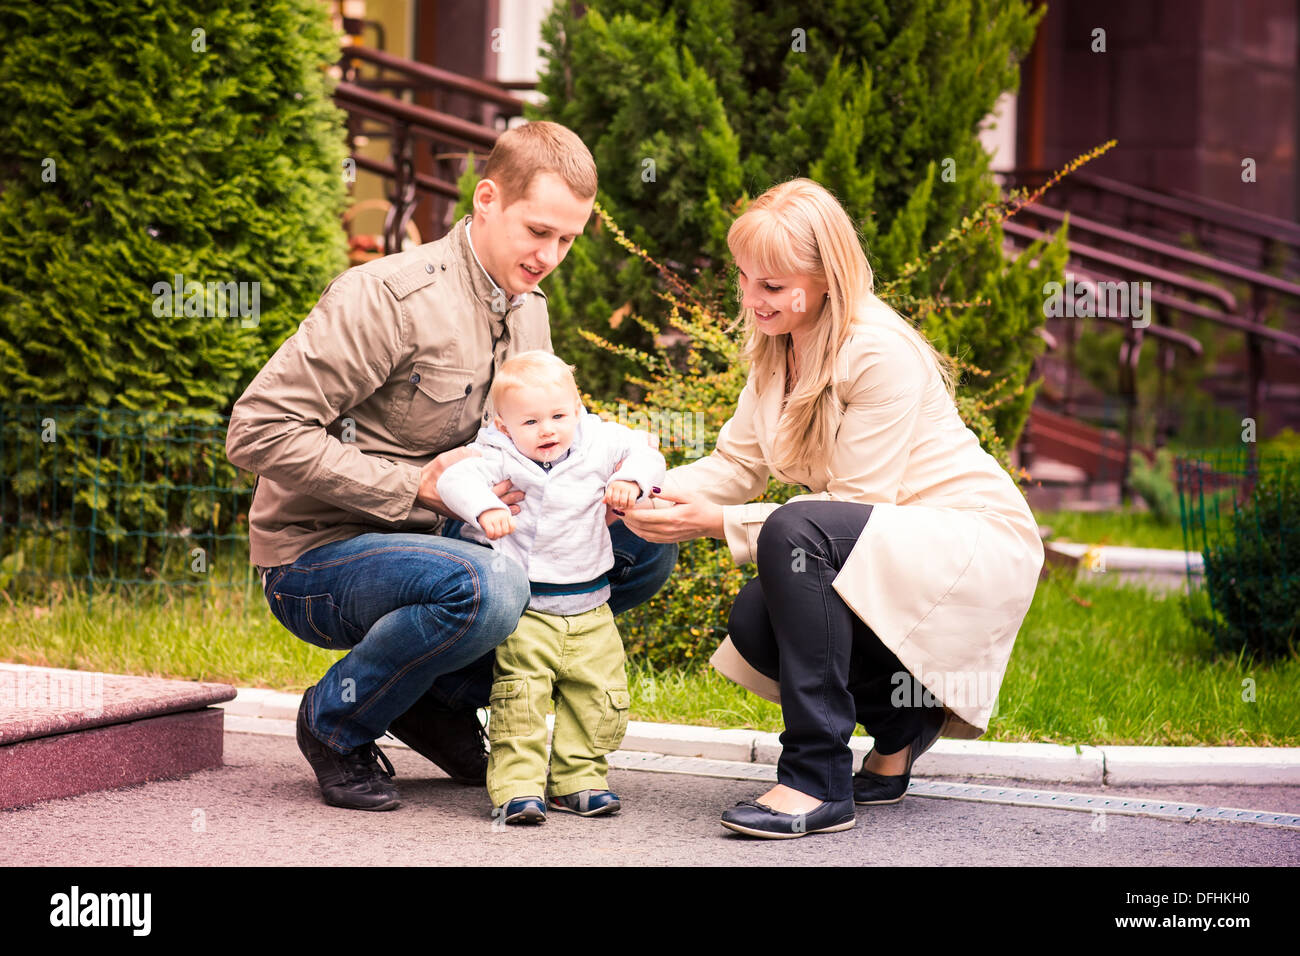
613 722
508 711
316 619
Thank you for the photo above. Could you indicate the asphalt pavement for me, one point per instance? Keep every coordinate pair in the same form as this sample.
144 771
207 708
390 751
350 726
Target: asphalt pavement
263 808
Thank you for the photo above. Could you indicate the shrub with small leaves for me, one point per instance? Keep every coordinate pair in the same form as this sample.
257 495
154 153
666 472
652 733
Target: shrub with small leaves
1155 483
171 187
1252 569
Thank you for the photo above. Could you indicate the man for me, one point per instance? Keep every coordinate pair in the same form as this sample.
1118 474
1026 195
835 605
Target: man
349 426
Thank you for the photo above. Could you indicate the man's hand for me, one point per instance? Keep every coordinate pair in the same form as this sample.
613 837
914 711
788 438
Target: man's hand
622 494
432 471
496 523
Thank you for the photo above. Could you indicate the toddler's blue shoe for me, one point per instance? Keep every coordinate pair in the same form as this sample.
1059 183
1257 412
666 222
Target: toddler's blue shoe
588 803
525 810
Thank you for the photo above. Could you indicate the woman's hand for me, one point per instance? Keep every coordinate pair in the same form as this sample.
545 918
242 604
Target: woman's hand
688 518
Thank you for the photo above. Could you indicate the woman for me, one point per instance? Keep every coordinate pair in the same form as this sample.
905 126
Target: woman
908 569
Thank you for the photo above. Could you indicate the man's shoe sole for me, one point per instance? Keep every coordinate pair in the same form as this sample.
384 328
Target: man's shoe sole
392 805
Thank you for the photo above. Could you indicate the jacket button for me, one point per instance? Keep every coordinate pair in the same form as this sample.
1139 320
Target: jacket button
428 267
444 267
415 378
468 389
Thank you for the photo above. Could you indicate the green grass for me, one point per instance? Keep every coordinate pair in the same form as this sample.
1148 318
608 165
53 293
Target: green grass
1094 664
1136 529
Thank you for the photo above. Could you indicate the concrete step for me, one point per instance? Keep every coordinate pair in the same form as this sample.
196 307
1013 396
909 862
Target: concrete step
65 732
1155 568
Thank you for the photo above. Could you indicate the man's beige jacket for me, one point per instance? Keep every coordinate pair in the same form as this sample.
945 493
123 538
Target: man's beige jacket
947 565
390 368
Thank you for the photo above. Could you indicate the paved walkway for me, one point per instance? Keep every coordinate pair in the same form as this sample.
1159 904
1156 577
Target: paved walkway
973 802
263 808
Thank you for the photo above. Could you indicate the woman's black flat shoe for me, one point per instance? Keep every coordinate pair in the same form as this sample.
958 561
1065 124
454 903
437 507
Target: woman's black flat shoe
759 820
874 789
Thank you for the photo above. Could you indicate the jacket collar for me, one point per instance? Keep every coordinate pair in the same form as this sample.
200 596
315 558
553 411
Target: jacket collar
484 288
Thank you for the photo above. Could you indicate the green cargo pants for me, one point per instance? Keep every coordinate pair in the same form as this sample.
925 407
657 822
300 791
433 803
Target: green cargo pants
577 661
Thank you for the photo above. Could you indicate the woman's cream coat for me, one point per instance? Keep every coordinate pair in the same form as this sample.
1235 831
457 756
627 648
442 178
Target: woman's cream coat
946 567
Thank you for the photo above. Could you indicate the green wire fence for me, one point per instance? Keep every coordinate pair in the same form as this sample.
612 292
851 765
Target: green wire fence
119 500
1241 510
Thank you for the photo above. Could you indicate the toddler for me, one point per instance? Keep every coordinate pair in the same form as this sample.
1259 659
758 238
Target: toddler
566 648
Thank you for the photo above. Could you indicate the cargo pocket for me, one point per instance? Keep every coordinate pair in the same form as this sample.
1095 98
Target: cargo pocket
508 711
613 722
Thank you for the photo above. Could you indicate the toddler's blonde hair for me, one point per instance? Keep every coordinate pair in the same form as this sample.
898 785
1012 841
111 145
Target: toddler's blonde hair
536 368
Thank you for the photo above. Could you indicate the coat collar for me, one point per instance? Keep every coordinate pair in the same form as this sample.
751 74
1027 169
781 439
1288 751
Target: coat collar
482 285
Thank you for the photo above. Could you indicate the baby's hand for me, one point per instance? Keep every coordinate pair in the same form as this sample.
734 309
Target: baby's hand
496 523
622 494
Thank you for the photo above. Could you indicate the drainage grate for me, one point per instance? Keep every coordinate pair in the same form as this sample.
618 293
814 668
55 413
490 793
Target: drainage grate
692 766
1010 796
1092 803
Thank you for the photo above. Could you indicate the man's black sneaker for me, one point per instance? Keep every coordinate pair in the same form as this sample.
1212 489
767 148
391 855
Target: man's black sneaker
452 739
353 779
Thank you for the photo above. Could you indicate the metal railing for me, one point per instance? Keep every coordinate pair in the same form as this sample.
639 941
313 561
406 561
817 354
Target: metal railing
1177 294
418 135
1228 233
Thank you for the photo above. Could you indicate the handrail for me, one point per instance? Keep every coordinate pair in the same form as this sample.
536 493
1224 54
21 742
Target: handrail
424 181
379 98
419 118
1193 259
1154 273
1258 225
1257 334
436 77
1228 214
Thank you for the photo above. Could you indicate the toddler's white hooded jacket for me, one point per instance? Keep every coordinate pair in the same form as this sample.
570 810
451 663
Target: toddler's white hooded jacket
560 534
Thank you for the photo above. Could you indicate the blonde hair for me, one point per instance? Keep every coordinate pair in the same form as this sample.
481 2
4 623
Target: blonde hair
533 369
799 228
521 153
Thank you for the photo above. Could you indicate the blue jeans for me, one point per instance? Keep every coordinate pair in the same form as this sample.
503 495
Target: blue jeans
420 614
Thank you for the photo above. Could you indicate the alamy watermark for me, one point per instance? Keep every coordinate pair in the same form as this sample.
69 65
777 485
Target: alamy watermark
1085 299
671 429
210 300
970 689
76 908
43 689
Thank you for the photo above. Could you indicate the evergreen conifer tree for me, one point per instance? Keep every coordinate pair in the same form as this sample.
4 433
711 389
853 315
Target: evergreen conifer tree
691 106
150 139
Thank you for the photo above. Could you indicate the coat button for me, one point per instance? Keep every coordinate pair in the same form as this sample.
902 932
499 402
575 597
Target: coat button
444 267
415 378
468 389
428 267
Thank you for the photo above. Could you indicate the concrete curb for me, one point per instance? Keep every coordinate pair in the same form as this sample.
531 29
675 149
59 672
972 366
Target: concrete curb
1119 558
255 710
